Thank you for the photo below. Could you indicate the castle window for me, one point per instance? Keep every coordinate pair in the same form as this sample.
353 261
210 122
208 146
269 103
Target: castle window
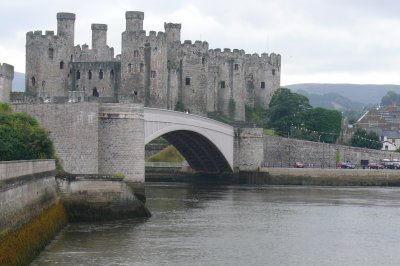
129 68
135 93
62 65
262 85
273 72
222 84
203 61
135 53
51 53
188 81
90 74
95 92
33 81
78 74
43 84
101 74
141 68
112 74
236 67
153 74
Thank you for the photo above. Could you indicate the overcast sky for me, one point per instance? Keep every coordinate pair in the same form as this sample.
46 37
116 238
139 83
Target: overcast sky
327 41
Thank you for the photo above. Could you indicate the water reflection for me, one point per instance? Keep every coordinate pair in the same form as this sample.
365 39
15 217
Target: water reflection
239 225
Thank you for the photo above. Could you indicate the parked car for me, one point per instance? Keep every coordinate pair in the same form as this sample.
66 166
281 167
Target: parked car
346 165
298 165
392 165
375 166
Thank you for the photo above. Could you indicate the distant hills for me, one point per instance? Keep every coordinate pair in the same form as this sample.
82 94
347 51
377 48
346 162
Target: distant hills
365 94
18 83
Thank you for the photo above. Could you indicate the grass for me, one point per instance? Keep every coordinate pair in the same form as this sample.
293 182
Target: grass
168 154
270 132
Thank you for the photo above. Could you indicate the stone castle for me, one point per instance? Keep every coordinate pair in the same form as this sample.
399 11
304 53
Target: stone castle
6 77
157 70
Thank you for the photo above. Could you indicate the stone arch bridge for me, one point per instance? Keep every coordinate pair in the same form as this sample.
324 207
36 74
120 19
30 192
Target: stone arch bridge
100 138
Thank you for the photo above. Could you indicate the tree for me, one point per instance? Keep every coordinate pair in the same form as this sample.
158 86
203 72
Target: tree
287 110
389 98
363 138
22 138
326 123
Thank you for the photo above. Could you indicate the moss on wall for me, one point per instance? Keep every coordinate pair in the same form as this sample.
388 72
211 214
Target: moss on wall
22 246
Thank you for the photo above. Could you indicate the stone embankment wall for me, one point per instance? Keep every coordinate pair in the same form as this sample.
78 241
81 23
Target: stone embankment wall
30 212
283 152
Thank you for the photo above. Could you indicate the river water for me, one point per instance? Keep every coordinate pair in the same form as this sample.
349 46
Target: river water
242 225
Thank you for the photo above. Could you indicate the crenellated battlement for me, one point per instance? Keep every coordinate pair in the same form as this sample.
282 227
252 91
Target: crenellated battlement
141 37
198 46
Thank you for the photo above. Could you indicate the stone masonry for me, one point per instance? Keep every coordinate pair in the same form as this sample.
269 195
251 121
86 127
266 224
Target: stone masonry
155 69
6 77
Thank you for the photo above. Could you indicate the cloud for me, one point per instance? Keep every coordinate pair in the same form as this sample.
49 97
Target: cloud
340 41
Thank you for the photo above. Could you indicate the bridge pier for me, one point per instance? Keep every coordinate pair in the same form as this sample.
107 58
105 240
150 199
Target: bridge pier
249 149
121 140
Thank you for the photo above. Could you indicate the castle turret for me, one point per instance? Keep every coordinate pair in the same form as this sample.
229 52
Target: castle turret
99 36
65 26
134 20
173 32
6 77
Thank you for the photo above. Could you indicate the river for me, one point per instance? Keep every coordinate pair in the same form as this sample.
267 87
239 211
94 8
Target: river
242 225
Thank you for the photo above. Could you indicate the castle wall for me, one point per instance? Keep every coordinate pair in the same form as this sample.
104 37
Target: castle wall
156 70
102 77
6 77
194 80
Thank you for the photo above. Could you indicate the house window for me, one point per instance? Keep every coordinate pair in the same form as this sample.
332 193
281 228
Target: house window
153 74
236 67
222 84
90 74
78 74
135 53
188 81
386 147
62 65
273 72
101 74
51 53
141 68
262 85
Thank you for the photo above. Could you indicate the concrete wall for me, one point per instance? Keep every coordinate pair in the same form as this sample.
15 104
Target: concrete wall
73 129
283 152
12 169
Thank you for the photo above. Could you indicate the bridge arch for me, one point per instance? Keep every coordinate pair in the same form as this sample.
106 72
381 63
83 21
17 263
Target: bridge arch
206 144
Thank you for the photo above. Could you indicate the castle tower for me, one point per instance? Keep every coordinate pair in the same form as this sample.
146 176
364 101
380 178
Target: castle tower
134 20
47 58
99 36
6 77
65 26
173 32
